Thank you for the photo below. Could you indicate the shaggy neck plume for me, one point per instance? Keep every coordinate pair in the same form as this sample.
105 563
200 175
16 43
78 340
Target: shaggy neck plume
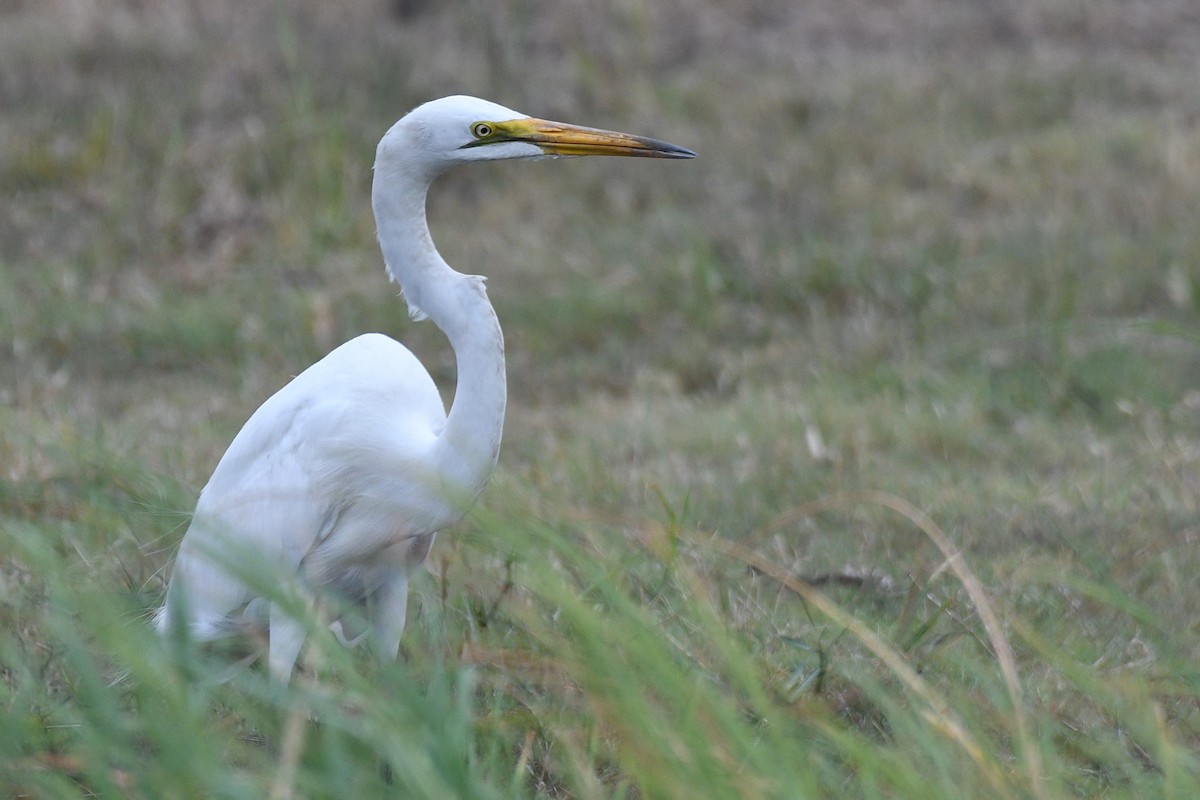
466 451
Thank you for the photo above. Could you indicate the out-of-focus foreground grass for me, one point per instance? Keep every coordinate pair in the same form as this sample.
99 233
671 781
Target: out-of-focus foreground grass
934 255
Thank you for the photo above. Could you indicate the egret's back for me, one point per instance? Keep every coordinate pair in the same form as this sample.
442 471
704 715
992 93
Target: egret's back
316 463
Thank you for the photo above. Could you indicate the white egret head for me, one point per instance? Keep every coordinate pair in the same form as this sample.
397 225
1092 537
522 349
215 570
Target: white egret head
459 129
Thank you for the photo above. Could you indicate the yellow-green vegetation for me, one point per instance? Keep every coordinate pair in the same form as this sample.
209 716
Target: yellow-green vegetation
858 458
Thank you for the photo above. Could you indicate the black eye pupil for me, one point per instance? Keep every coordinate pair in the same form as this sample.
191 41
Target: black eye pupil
483 130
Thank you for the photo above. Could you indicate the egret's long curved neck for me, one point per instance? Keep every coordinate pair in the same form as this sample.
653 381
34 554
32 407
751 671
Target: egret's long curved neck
466 451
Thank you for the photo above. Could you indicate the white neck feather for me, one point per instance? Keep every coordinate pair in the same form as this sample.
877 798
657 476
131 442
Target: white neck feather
466 451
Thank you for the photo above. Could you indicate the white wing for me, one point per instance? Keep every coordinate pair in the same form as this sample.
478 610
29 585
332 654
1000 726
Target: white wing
329 472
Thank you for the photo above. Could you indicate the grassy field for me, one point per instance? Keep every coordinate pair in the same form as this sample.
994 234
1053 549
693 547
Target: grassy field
858 458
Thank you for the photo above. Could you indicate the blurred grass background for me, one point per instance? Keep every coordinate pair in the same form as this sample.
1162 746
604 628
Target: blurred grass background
940 250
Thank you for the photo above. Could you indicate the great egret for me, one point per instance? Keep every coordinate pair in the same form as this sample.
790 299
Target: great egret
343 477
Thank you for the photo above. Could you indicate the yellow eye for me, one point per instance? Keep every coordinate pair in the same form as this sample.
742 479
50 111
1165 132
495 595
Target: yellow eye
482 130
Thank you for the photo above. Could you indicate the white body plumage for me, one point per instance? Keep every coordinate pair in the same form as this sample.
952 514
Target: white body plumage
342 478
